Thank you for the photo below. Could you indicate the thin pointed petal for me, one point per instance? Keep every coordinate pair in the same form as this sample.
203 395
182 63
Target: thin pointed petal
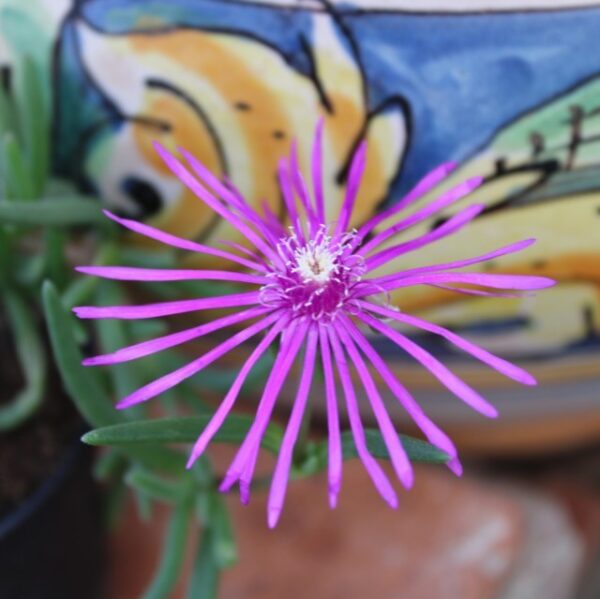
301 189
481 293
228 402
378 476
447 199
271 232
451 226
178 242
317 171
228 193
283 362
429 181
354 177
285 184
273 220
503 366
247 473
202 193
152 346
433 433
503 251
168 308
243 250
499 281
333 421
168 381
398 456
130 273
284 460
441 372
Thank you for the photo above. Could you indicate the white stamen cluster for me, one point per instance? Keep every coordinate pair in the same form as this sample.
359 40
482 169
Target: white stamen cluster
319 277
316 261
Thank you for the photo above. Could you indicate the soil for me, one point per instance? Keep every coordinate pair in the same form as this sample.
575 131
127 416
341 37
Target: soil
31 452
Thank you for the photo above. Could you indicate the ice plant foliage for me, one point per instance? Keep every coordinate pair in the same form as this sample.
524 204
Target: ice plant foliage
313 292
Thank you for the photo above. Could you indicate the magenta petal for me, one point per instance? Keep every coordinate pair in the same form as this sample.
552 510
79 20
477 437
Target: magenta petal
243 250
194 185
283 362
271 232
445 200
317 171
480 293
273 220
300 187
433 433
230 196
398 456
510 370
227 404
357 168
500 281
168 381
178 242
421 188
333 421
247 473
503 251
287 192
168 308
441 372
129 273
284 460
380 480
451 226
152 346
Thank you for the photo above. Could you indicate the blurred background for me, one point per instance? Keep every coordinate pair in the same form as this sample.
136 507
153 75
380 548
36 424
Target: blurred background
508 90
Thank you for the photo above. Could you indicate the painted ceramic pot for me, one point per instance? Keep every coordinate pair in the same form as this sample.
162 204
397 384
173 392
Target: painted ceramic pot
507 88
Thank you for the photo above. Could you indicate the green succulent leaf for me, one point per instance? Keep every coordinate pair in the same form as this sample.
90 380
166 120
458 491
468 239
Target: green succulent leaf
32 357
34 122
205 571
60 212
219 521
14 169
155 486
85 387
181 430
416 449
315 456
173 555
82 384
234 430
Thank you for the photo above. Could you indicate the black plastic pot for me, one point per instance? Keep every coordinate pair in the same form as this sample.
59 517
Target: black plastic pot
52 545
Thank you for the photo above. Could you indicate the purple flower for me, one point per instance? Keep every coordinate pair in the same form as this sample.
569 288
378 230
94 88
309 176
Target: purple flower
312 290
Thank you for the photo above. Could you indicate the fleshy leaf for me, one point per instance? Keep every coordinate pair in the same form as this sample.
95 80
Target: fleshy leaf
187 429
52 212
173 551
180 430
32 358
155 486
205 571
85 389
315 457
82 384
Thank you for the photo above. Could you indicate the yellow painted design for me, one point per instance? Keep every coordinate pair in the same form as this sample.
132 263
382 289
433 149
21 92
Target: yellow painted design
249 105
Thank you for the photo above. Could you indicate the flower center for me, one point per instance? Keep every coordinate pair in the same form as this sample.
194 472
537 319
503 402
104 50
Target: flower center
319 276
315 264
